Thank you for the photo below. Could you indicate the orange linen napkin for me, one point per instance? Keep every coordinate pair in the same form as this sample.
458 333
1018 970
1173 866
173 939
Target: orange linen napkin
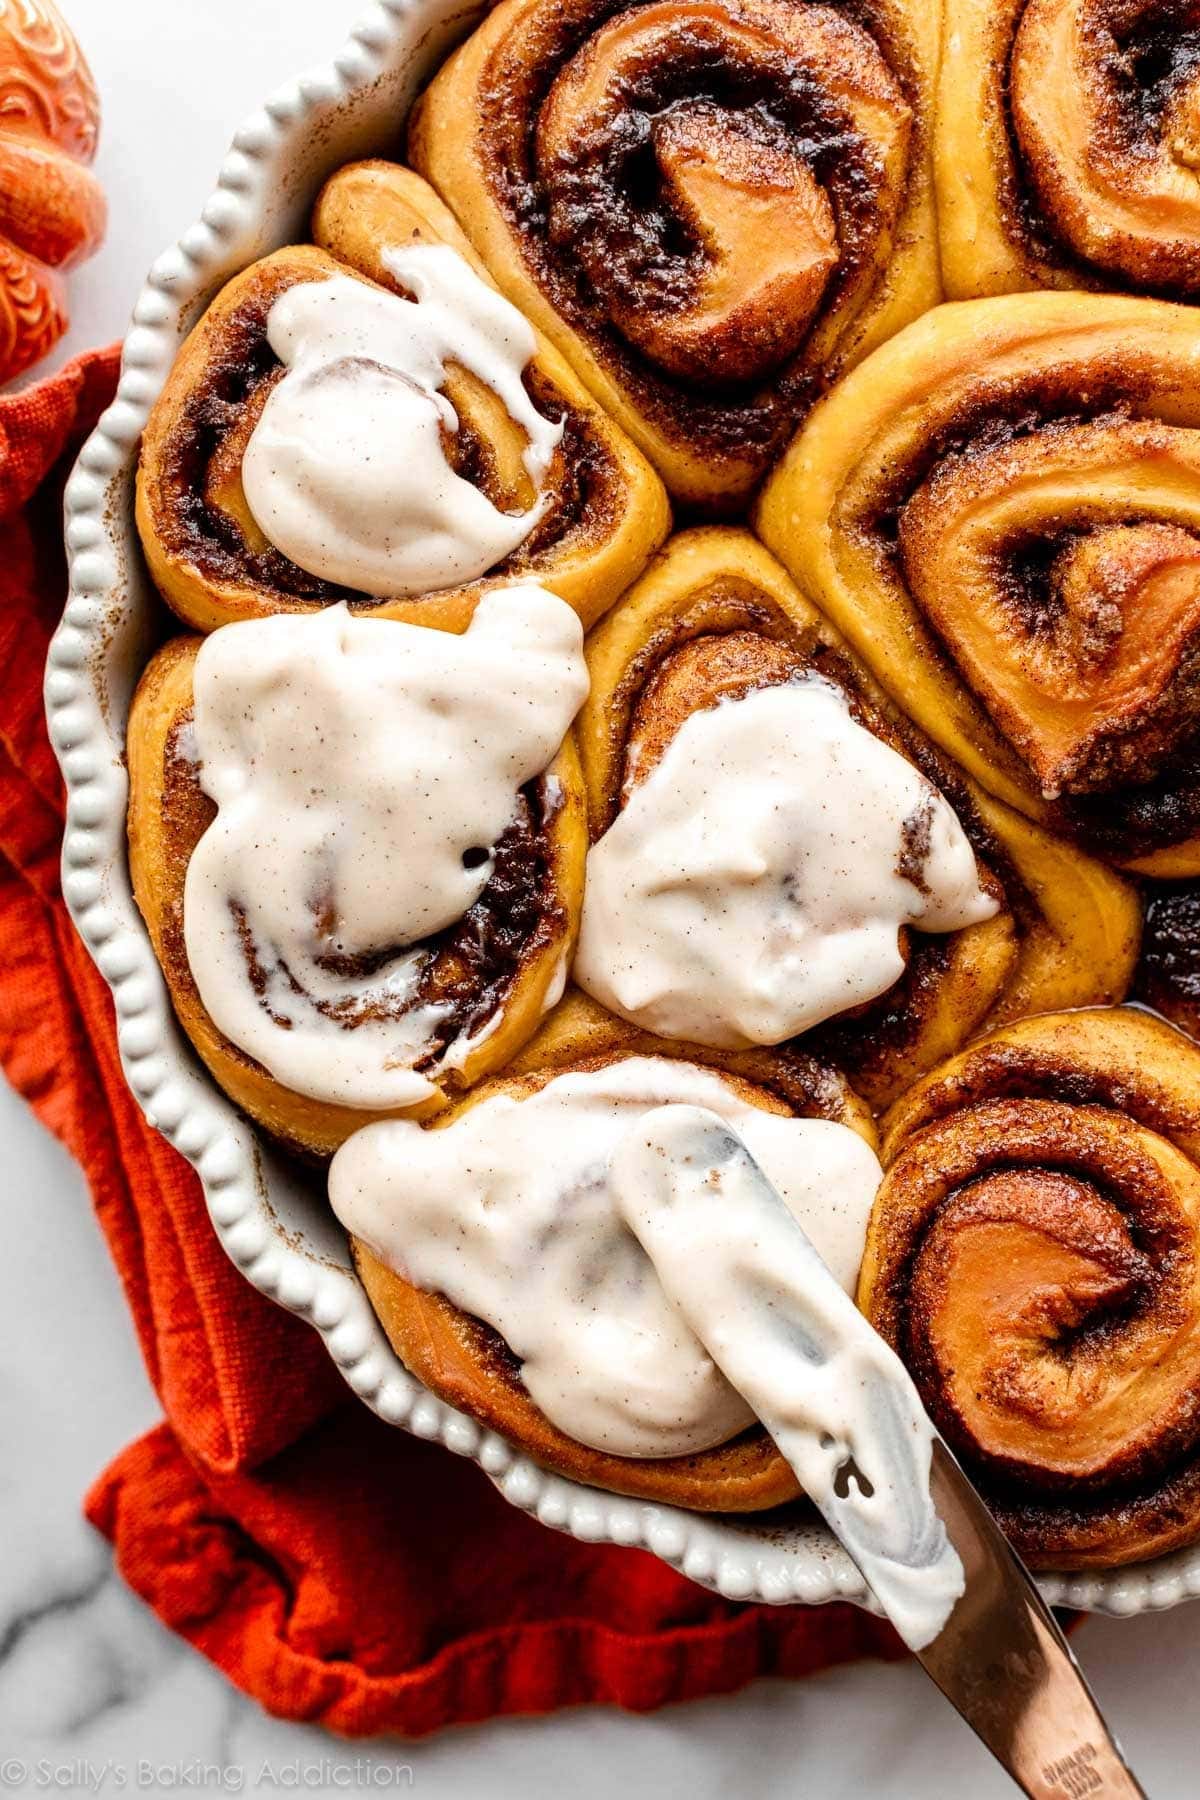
335 1568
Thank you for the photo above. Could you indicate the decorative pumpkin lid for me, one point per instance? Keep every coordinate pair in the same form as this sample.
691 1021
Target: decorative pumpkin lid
52 208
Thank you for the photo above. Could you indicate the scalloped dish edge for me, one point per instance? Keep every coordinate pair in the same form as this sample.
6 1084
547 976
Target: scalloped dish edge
264 1222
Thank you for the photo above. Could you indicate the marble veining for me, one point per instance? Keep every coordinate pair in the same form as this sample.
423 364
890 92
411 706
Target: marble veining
90 1684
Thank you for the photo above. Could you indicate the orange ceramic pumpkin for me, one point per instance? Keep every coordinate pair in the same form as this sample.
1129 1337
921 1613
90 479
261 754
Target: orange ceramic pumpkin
52 210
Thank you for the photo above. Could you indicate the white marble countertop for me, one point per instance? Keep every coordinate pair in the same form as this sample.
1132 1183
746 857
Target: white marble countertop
94 1695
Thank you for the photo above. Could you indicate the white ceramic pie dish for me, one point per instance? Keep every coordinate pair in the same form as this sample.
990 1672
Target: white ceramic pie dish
272 1219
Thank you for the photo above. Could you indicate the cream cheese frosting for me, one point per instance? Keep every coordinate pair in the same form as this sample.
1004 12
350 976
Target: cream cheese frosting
346 471
362 770
513 1212
757 880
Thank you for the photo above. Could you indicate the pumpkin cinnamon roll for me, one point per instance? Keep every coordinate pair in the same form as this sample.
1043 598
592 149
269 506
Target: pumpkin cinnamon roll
777 853
1067 145
712 207
1001 511
492 1245
1034 1256
392 436
1168 977
358 846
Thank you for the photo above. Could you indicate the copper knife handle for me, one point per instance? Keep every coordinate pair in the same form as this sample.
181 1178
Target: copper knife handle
1003 1662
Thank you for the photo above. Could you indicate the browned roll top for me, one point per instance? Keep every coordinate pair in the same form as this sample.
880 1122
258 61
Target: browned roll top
1034 1254
699 162
1105 99
202 518
712 200
1001 509
1067 148
1081 632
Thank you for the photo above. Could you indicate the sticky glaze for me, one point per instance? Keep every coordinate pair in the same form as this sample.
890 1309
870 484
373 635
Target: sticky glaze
736 1261
757 881
346 471
363 771
512 1213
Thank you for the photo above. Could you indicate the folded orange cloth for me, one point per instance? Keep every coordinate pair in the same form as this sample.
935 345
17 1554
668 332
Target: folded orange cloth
335 1568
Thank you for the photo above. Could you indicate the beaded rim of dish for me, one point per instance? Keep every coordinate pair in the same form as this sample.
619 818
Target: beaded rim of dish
94 657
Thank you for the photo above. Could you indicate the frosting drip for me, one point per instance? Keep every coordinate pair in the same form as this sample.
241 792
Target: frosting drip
346 471
515 1214
757 880
732 1256
363 771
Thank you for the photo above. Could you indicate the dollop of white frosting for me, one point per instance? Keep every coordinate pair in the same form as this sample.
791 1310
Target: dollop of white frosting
363 771
346 471
749 1281
756 881
513 1213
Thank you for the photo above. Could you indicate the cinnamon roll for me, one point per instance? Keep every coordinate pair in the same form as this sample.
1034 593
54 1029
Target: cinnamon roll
1034 1256
777 851
358 846
1168 977
1001 511
712 207
320 440
1067 145
535 1310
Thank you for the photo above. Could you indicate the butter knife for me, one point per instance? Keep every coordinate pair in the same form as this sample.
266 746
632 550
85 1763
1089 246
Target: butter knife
1003 1662
731 1256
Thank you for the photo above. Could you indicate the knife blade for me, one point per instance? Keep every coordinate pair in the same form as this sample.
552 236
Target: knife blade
1002 1661
751 1285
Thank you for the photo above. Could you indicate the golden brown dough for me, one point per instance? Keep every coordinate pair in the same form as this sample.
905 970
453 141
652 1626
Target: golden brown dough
1001 511
712 207
1066 146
